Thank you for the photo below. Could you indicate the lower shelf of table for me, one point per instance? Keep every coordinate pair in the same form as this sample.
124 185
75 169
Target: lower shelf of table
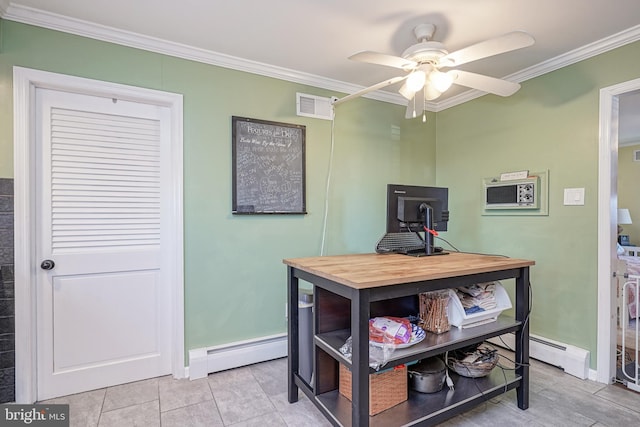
432 345
428 408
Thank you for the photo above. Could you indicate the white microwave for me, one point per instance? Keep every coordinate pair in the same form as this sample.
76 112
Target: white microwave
516 194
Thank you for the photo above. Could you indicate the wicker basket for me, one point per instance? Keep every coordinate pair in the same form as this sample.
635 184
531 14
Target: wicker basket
386 389
473 370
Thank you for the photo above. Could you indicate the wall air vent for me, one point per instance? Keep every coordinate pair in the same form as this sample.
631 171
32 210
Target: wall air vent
314 106
636 155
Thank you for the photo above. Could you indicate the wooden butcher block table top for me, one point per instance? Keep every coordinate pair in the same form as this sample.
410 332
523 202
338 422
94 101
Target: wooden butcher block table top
360 271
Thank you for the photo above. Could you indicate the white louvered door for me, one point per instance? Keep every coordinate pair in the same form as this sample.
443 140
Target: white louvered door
103 307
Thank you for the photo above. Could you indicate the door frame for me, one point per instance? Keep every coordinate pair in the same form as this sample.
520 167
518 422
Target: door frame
25 83
607 227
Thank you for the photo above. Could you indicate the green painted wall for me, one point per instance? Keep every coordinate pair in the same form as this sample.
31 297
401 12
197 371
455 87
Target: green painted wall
234 276
550 124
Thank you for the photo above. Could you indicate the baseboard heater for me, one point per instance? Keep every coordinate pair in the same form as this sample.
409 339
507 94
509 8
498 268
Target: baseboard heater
203 361
574 360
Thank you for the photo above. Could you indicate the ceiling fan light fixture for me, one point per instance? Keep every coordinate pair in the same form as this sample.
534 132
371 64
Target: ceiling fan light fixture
431 93
440 81
421 64
416 80
406 92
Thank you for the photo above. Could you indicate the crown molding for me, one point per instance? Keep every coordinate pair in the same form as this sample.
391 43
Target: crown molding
614 41
40 18
606 44
629 142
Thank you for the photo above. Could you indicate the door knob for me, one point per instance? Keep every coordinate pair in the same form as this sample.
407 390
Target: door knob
47 264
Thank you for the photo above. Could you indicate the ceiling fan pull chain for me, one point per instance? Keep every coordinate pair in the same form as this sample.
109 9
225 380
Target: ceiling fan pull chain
424 106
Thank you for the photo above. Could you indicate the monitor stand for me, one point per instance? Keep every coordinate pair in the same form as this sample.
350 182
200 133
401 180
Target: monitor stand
422 252
429 249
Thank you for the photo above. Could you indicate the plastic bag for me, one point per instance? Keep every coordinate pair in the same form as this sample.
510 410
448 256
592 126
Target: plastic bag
379 353
395 329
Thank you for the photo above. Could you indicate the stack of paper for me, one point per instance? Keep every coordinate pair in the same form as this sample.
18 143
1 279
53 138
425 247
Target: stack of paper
479 297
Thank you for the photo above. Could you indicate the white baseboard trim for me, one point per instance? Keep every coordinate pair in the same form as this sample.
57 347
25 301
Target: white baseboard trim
574 360
203 361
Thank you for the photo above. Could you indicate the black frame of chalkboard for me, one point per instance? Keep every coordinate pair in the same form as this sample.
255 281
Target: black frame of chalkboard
301 186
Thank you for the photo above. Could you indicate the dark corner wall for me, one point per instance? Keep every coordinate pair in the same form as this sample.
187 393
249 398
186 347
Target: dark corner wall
7 316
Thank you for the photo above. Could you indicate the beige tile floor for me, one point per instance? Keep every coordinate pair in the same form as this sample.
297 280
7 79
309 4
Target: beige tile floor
256 395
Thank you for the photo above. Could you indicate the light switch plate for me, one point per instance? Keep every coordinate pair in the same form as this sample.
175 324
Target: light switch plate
574 196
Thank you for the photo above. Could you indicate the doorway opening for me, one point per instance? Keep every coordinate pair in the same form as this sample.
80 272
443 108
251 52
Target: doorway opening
607 227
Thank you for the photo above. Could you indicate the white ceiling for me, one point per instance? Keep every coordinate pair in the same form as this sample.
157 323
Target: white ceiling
314 38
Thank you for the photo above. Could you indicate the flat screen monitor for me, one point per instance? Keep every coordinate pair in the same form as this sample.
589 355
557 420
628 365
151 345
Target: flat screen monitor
406 207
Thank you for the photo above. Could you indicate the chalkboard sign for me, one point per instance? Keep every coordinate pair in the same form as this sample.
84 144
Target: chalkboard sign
268 167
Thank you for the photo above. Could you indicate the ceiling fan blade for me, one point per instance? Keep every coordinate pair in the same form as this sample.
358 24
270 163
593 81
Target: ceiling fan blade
484 83
366 90
384 59
491 47
415 106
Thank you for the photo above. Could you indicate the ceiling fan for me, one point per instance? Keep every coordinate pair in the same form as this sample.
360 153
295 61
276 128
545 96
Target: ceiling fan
423 61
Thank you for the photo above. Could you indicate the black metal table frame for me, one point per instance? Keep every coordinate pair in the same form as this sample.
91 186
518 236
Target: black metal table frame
360 306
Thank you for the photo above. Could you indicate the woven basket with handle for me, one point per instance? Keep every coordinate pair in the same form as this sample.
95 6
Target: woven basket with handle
386 389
